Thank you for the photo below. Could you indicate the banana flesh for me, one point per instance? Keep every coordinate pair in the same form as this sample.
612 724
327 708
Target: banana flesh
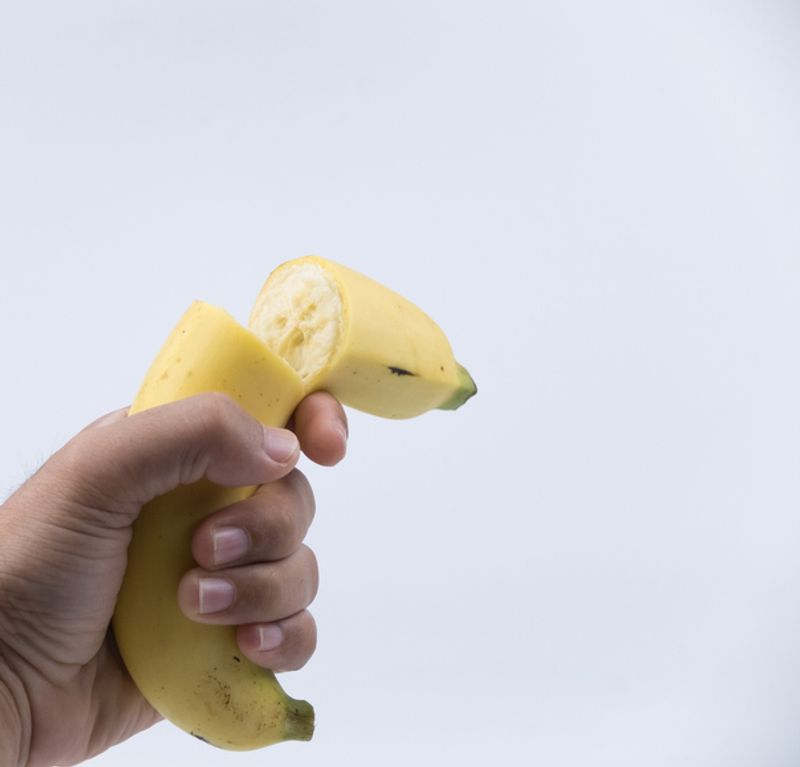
315 325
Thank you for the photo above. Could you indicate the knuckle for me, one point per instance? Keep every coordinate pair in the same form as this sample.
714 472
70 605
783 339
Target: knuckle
280 537
312 572
220 425
302 490
272 590
271 525
301 642
288 504
217 408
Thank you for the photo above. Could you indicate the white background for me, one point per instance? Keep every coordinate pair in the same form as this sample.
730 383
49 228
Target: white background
595 562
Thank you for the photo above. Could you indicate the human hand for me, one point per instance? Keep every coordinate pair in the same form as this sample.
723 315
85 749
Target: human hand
64 692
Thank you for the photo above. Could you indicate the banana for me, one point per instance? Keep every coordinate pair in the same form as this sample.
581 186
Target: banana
315 325
369 346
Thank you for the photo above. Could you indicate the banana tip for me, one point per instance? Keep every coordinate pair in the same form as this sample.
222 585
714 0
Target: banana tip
466 390
299 723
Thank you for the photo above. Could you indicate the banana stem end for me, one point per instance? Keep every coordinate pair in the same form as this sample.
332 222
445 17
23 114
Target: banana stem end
299 721
466 389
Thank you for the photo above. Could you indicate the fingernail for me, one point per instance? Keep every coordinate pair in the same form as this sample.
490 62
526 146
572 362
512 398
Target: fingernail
270 637
281 444
215 594
230 543
342 430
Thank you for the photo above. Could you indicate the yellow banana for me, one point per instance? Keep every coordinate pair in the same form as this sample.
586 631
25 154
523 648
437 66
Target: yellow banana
315 325
372 348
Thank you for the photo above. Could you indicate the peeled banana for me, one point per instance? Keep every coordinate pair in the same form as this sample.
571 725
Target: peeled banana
315 325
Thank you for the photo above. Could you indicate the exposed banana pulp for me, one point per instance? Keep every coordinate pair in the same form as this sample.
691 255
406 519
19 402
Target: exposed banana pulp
301 318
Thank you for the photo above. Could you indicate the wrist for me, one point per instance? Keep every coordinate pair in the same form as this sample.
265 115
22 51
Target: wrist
15 731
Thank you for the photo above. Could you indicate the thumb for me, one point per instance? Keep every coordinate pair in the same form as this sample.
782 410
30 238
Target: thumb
131 460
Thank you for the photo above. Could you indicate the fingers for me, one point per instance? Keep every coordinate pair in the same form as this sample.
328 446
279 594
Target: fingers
254 572
321 426
266 602
284 645
266 527
130 461
262 592
124 461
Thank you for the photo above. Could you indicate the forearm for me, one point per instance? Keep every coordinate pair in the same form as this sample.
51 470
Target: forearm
15 735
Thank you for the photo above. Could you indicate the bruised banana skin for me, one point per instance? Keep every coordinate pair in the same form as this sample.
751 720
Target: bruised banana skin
315 325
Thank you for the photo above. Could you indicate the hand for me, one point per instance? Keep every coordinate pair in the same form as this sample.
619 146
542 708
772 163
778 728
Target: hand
64 692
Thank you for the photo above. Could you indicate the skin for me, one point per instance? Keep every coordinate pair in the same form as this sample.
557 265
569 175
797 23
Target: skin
64 693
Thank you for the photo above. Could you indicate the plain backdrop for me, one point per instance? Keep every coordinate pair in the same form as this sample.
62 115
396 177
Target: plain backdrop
595 562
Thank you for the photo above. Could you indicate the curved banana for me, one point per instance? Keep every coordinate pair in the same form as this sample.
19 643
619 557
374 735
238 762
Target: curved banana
315 325
372 348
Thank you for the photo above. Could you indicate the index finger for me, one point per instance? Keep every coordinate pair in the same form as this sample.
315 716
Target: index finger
321 427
